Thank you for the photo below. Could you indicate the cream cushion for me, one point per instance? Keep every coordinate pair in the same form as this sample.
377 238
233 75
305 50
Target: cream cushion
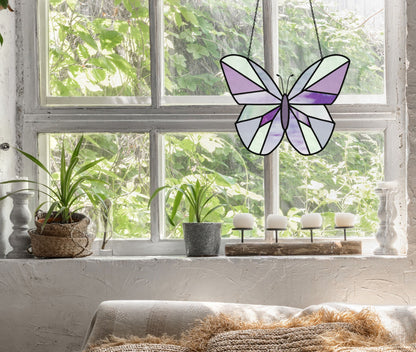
139 318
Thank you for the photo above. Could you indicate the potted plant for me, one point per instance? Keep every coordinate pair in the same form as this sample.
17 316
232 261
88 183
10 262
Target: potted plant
202 239
62 231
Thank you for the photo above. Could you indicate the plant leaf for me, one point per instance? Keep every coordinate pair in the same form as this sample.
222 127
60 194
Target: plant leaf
176 203
49 214
211 210
35 160
155 193
88 166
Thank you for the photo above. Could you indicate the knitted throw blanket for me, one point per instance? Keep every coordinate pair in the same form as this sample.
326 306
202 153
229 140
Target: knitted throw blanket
324 331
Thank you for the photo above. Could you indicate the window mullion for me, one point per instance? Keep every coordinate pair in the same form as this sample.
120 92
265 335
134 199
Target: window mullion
43 15
157 162
156 50
157 157
271 161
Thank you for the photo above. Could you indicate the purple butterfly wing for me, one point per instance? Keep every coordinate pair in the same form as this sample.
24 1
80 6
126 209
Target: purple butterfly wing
309 129
260 128
310 125
248 82
259 124
320 83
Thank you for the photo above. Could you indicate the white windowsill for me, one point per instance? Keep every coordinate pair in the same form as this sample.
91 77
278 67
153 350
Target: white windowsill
147 248
219 259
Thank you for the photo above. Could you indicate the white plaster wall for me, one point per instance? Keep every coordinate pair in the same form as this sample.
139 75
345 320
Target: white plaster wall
46 305
7 119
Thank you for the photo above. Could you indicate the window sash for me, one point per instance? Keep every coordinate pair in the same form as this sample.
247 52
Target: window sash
43 115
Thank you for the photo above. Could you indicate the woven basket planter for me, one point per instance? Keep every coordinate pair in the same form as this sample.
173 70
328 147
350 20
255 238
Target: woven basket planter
56 240
60 247
78 228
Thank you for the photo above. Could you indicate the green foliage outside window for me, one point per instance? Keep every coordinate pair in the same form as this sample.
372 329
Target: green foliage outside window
340 32
102 48
99 48
198 34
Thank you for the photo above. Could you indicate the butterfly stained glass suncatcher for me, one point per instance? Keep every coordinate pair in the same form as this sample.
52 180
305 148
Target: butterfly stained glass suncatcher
269 114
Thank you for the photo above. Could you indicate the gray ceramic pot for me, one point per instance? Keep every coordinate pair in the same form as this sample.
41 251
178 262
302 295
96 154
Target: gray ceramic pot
202 239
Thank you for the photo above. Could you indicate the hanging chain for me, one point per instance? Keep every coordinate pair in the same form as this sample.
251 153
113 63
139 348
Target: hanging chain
254 25
252 28
316 28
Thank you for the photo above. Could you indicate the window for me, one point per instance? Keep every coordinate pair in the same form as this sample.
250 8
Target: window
141 80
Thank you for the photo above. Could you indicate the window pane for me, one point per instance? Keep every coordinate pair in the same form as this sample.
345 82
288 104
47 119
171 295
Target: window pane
125 169
353 28
221 160
198 33
99 48
342 178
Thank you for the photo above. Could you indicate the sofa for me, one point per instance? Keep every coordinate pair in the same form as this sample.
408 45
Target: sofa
139 318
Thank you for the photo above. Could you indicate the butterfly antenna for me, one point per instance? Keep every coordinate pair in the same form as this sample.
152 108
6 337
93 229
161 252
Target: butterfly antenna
287 83
281 82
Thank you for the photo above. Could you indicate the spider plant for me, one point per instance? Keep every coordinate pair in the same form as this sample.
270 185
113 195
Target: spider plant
197 196
65 190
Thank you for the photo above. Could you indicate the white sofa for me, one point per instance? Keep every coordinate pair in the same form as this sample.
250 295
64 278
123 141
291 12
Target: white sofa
139 318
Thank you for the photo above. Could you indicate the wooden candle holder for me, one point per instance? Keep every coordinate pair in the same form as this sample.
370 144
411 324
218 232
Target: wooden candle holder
288 249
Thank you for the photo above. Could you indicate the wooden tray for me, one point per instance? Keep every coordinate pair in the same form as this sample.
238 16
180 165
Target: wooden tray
280 249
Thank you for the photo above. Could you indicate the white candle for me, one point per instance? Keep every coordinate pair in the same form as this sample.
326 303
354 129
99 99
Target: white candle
311 221
344 219
16 186
243 221
275 221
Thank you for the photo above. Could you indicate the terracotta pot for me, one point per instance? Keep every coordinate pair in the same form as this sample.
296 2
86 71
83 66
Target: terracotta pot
76 229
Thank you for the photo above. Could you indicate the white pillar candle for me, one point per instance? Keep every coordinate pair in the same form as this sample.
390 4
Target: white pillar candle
243 221
275 221
344 219
311 221
17 186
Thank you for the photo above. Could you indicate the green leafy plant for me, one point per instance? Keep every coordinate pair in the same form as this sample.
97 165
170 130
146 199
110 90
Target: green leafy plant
66 190
4 4
197 198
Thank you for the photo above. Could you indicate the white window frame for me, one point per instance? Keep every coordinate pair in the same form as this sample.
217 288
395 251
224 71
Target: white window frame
38 114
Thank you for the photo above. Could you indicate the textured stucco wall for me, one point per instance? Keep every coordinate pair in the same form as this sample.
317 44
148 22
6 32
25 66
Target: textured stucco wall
45 305
411 123
7 118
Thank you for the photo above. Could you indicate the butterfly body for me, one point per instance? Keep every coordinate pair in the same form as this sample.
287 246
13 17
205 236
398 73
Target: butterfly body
284 107
269 114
